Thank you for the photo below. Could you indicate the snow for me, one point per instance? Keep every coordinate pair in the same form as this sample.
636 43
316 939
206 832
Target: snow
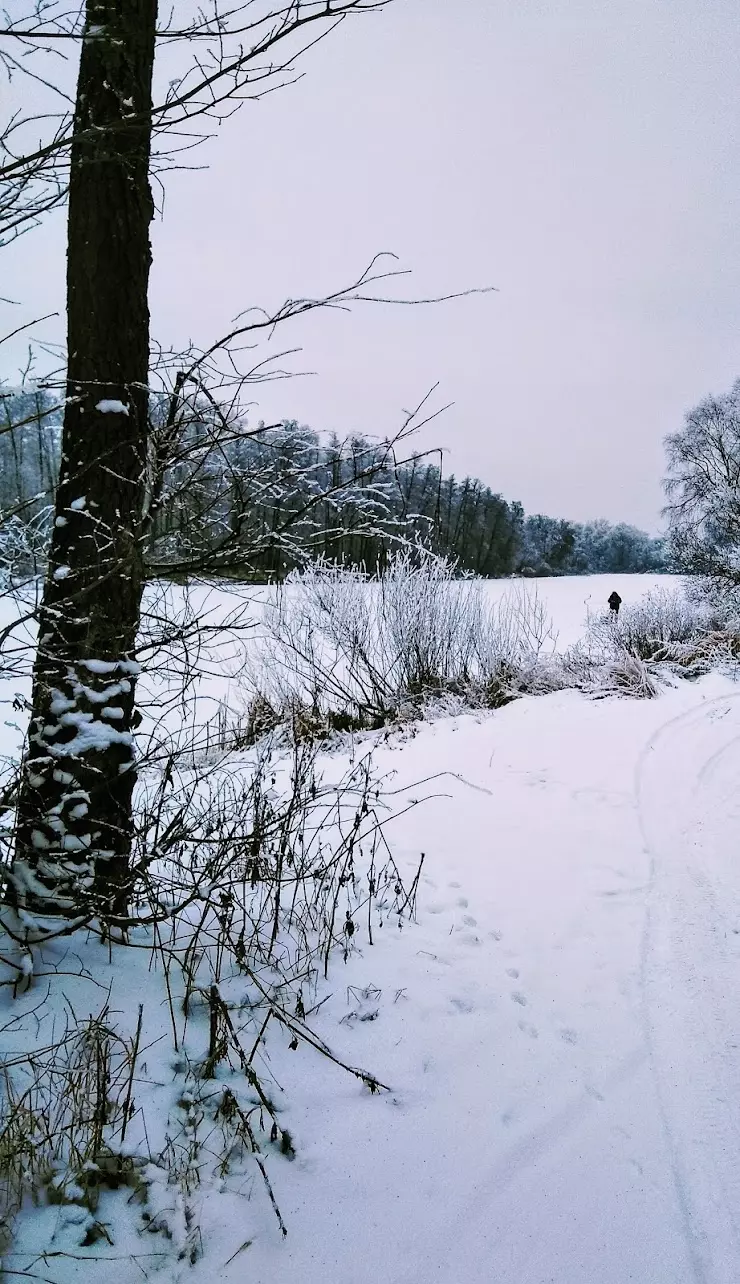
90 735
100 667
60 703
110 406
558 1027
537 1132
73 843
62 572
106 693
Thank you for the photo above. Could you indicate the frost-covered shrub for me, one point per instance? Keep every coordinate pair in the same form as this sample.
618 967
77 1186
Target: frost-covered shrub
680 629
627 674
254 874
23 546
345 650
648 628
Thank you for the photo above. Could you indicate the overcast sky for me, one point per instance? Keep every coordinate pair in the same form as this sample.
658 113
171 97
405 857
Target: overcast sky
580 155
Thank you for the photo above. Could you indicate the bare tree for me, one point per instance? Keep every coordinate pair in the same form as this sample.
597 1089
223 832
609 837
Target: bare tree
235 53
703 489
75 806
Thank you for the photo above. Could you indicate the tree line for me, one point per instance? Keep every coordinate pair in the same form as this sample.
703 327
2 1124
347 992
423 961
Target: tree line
261 502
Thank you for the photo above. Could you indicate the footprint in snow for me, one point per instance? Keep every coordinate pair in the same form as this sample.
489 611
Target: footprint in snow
531 1030
513 972
454 884
495 936
519 998
462 1005
568 1035
469 921
470 938
462 901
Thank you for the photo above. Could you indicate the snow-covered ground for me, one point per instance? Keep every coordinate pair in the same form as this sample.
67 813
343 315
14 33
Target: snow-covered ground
559 1027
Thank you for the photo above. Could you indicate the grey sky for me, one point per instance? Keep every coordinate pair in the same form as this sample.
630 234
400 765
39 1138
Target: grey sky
581 155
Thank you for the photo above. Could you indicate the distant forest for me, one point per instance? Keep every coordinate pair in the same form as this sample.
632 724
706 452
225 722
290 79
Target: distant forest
260 502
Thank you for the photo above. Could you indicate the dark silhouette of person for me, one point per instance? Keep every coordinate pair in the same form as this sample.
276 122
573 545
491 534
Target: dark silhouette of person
615 602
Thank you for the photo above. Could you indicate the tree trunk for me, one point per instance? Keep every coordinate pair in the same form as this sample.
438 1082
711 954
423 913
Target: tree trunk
74 835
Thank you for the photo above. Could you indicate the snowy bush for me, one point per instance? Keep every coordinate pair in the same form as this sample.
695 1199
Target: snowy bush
250 876
650 627
683 631
345 650
23 546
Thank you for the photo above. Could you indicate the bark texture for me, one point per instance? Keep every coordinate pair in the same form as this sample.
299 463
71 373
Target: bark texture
73 846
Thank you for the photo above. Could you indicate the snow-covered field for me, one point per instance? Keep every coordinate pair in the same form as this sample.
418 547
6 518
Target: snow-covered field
558 1028
571 598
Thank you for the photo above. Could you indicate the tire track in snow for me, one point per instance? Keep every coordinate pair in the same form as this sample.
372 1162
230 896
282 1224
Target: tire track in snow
471 1212
691 970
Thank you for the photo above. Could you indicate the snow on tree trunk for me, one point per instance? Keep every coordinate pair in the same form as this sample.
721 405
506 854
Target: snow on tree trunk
74 831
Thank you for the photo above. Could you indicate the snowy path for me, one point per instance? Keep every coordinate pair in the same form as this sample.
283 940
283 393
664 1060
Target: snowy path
559 1028
690 807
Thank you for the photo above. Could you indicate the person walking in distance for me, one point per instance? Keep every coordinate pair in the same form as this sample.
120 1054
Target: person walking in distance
615 602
